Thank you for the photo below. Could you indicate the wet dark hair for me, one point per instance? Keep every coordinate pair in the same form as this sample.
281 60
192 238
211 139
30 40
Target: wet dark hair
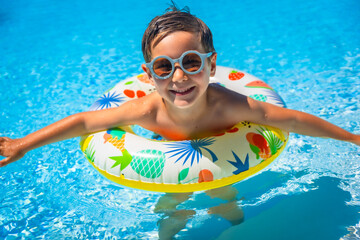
174 20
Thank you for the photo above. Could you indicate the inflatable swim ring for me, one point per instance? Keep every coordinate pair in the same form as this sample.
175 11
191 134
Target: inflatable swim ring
190 165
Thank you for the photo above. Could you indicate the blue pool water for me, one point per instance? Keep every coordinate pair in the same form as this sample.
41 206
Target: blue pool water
57 57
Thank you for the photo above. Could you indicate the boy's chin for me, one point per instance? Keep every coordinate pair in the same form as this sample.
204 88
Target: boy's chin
185 103
182 104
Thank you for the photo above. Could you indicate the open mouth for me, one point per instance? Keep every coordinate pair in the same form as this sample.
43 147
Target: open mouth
181 92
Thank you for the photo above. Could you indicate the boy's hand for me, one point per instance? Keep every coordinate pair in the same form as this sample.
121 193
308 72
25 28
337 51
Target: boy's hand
11 149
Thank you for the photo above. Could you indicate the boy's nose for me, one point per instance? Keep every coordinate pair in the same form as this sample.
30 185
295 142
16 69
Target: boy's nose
178 75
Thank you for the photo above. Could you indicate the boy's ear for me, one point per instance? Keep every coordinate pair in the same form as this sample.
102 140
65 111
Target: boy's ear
213 65
148 73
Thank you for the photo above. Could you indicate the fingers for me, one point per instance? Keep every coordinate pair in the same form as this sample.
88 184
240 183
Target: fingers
11 159
9 149
1 146
3 141
5 162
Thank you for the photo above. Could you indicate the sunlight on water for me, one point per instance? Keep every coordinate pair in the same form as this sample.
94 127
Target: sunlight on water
58 58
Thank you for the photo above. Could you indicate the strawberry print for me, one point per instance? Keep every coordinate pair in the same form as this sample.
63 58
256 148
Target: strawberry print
131 94
236 75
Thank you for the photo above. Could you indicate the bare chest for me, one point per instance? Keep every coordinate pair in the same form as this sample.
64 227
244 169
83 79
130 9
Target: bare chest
209 125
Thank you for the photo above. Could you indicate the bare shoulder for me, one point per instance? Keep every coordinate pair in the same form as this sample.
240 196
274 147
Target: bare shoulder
226 97
236 107
140 110
231 105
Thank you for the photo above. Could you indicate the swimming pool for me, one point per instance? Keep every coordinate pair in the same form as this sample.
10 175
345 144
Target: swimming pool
58 57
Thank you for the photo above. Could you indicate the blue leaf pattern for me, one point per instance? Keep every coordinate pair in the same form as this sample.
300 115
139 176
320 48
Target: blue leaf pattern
191 149
239 165
273 97
107 100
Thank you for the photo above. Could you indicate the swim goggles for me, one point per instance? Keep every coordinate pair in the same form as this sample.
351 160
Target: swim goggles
191 62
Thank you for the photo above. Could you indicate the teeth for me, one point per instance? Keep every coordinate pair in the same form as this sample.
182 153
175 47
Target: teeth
181 91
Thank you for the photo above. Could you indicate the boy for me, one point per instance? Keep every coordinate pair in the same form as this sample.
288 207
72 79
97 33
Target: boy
185 105
180 57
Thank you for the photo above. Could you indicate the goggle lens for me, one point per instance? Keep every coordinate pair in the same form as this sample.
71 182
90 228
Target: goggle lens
162 67
191 62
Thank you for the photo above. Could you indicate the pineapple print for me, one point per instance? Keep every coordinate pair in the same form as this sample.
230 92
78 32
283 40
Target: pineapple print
259 97
123 160
116 137
148 163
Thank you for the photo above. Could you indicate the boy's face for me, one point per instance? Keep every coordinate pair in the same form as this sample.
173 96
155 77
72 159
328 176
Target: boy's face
181 89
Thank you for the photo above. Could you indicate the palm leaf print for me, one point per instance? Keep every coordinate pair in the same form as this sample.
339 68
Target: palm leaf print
123 160
107 100
239 165
274 142
272 97
191 149
90 152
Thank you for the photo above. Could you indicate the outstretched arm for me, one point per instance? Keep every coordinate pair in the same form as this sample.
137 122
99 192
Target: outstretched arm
14 149
69 127
297 122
